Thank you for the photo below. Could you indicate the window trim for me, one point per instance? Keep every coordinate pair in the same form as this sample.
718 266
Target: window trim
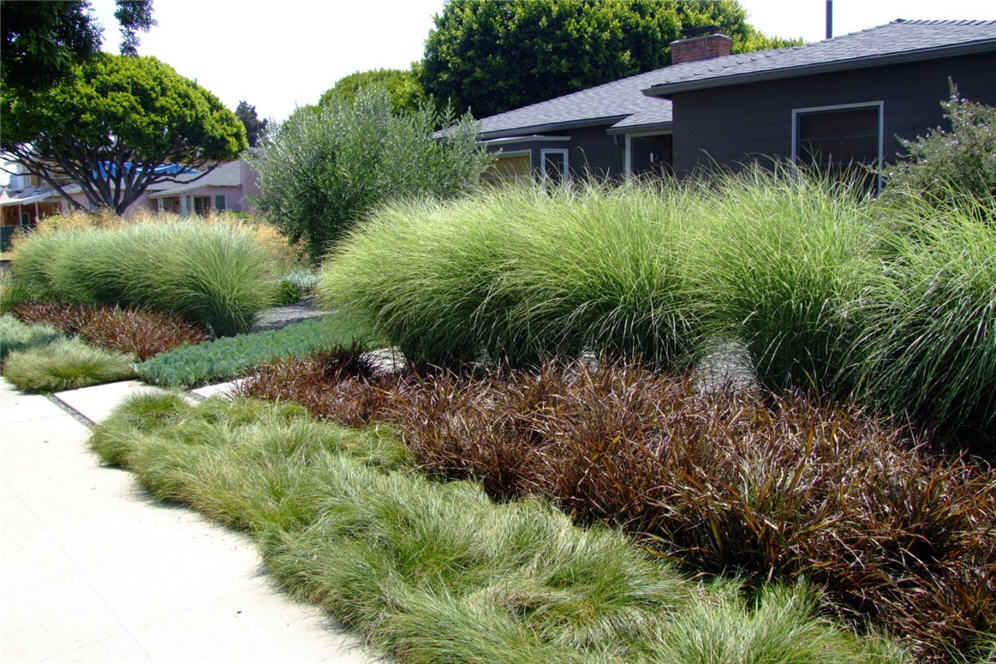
877 104
562 151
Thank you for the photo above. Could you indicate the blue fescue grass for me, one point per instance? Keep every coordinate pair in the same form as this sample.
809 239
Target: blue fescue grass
229 357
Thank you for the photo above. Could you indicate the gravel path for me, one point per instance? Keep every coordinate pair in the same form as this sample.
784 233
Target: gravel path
275 318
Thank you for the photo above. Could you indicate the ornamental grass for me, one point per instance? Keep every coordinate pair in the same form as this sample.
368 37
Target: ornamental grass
214 274
759 485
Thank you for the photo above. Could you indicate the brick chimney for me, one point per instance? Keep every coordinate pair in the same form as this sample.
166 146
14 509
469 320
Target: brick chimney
702 43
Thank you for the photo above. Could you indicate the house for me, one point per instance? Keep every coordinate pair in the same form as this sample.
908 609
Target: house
26 199
832 103
227 187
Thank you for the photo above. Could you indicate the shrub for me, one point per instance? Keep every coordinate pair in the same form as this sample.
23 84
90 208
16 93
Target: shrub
303 280
215 274
226 358
16 336
287 293
66 365
327 167
435 572
778 261
522 274
928 321
944 166
133 331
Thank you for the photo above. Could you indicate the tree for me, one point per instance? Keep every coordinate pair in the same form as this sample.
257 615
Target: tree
133 15
113 123
494 56
43 40
256 129
403 87
329 165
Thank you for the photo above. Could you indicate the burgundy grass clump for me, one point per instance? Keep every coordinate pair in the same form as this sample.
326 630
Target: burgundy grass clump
141 332
338 385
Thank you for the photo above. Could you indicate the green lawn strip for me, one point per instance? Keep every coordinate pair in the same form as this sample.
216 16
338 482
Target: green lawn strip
66 364
436 572
229 357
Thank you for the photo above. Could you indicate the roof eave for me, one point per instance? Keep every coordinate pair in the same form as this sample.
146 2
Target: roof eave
649 126
553 126
667 89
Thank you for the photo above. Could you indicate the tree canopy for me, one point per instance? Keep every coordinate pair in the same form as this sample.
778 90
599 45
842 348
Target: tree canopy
329 165
256 129
402 86
112 122
494 56
43 40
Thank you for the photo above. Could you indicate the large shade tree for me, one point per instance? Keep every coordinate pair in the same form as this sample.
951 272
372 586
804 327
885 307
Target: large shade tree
403 87
494 56
112 124
41 41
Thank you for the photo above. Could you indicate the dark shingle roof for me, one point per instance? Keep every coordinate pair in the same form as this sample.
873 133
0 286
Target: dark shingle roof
899 41
603 104
625 106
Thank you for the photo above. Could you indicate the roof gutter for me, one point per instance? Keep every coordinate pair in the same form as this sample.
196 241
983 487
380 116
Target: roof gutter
553 126
665 90
649 126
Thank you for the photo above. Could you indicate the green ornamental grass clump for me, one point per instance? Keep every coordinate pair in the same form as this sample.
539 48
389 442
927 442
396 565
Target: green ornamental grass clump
228 357
16 335
778 260
213 273
928 319
520 274
436 572
66 365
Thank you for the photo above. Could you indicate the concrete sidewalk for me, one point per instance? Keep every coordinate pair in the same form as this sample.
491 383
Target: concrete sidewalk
91 570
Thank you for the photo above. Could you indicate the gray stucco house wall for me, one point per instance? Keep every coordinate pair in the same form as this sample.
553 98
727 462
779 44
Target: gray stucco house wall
737 123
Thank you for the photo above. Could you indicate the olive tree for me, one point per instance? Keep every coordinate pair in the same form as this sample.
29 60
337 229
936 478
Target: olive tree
329 165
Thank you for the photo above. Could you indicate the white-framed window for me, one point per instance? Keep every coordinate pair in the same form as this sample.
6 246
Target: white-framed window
219 202
840 138
553 165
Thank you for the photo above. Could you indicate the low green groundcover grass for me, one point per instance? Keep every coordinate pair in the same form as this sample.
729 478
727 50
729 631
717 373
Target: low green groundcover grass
437 572
16 335
230 356
65 365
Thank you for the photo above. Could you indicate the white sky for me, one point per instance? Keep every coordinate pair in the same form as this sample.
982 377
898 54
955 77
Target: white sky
280 55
